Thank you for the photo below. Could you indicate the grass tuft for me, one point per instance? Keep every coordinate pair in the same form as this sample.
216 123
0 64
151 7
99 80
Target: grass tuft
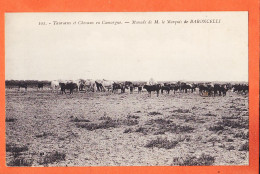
155 113
10 119
161 143
244 147
20 162
52 158
203 160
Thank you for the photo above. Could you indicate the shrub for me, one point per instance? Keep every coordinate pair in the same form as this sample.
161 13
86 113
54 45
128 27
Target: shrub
155 113
216 128
181 111
130 122
132 117
103 125
244 147
203 160
128 130
10 119
20 162
79 120
235 123
16 149
52 158
242 135
161 143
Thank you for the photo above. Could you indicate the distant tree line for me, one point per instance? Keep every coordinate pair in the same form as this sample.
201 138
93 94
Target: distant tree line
30 83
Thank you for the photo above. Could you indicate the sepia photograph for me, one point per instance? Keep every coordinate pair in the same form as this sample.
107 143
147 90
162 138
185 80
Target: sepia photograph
126 89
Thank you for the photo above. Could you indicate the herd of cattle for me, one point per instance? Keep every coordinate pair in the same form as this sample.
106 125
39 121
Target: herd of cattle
206 89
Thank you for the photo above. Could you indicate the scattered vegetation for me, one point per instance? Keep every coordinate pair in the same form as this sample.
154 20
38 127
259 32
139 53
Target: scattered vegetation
229 117
16 152
231 148
216 128
16 149
161 143
155 113
79 120
20 161
203 160
129 130
141 130
244 147
103 125
132 117
130 122
181 110
52 158
234 123
242 135
44 134
162 125
105 118
10 119
209 114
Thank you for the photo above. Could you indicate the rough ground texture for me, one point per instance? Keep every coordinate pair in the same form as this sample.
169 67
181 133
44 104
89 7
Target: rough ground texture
105 129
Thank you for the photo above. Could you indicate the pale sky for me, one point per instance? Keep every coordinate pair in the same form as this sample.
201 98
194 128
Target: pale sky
192 52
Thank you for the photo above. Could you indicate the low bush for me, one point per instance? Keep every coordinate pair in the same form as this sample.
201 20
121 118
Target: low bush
52 158
203 160
161 143
20 162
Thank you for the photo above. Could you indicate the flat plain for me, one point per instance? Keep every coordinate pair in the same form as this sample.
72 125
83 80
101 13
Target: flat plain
106 129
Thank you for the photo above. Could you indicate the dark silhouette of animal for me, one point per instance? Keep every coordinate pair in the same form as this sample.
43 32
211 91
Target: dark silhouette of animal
70 86
120 86
22 85
40 86
240 88
221 89
151 88
175 87
185 87
166 88
203 88
100 87
140 88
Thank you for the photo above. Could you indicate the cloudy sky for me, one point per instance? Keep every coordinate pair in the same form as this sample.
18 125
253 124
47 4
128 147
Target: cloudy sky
190 51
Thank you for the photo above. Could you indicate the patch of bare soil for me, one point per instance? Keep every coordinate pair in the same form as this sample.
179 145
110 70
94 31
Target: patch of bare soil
105 129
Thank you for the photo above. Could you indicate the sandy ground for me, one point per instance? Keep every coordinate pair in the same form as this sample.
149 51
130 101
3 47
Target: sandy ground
104 129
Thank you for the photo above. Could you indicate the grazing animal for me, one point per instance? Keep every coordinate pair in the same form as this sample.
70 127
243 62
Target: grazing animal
90 85
221 89
40 86
241 88
131 88
100 87
205 88
104 85
120 86
81 84
151 88
55 85
174 87
167 88
22 85
140 88
71 86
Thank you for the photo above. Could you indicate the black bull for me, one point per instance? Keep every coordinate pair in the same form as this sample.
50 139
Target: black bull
69 86
151 88
22 85
117 86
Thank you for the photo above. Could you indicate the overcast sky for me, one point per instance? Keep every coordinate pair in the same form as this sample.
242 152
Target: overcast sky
192 51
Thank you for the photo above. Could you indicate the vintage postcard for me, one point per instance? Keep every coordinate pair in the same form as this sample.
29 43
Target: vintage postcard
127 89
